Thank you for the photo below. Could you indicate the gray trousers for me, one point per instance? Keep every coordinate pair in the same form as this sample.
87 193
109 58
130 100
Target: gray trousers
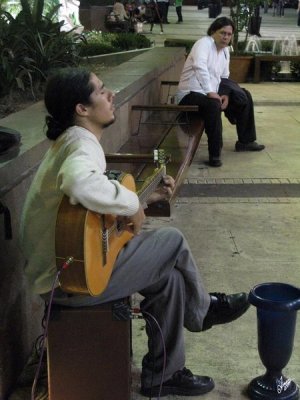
159 265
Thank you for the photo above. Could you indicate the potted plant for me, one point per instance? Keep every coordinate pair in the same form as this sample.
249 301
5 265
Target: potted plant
242 15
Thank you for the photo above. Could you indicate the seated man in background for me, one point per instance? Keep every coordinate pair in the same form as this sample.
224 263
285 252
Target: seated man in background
118 20
204 82
158 263
120 11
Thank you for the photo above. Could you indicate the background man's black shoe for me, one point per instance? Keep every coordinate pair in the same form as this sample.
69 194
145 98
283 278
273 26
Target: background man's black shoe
252 146
214 162
225 308
182 383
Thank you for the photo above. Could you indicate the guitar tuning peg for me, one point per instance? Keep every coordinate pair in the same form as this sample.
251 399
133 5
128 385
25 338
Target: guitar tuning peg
161 156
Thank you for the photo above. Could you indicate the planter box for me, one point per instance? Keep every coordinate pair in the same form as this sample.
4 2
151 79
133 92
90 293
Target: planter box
240 67
113 59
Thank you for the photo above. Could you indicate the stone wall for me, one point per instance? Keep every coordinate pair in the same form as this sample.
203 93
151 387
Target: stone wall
135 82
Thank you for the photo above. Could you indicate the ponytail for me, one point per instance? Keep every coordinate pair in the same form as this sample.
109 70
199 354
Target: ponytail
64 90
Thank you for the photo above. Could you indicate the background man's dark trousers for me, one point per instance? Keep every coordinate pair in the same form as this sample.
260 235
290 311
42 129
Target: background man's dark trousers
239 112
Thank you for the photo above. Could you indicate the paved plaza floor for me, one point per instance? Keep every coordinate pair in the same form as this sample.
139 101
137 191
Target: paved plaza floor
196 22
242 221
243 225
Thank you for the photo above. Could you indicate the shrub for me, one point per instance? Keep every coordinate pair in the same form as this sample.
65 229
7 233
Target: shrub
97 43
31 44
267 45
130 41
187 43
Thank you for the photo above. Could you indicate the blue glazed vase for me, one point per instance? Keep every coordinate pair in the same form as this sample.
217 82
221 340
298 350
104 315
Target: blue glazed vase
277 305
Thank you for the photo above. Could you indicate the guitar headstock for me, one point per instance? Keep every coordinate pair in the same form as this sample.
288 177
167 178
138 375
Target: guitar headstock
160 157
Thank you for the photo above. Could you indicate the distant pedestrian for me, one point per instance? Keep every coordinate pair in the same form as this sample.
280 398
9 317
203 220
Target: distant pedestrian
275 7
163 10
214 8
298 11
280 10
255 22
178 5
168 4
152 15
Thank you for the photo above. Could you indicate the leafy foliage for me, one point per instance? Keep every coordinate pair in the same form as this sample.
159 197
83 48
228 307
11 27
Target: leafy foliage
240 12
131 41
187 43
96 43
31 44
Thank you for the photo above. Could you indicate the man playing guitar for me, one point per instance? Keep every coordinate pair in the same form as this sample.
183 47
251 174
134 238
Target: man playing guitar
158 264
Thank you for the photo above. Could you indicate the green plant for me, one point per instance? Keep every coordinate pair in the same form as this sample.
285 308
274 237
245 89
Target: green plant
267 45
14 6
187 43
240 13
31 44
131 41
97 42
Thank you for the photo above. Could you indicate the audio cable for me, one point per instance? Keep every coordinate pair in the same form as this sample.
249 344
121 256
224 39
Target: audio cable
46 324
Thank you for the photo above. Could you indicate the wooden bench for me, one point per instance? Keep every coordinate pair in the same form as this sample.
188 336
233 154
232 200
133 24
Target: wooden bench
175 109
169 97
179 138
259 58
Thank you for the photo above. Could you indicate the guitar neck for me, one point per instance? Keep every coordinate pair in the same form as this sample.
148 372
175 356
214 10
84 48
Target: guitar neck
151 184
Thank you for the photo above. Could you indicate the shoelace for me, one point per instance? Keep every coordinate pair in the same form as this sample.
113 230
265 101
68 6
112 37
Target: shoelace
184 373
221 300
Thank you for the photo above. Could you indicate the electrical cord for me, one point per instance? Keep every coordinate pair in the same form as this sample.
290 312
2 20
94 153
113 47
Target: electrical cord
147 314
151 345
45 323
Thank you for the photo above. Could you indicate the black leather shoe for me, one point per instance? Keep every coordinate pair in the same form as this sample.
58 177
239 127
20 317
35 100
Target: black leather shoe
214 162
225 308
182 383
252 146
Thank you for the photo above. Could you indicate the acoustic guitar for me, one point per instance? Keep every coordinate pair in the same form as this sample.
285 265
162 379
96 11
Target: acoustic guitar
90 242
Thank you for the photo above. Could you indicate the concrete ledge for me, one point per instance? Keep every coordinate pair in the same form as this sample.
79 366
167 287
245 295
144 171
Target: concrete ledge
113 59
136 80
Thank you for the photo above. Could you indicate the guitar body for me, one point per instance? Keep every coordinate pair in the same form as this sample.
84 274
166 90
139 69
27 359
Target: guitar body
80 234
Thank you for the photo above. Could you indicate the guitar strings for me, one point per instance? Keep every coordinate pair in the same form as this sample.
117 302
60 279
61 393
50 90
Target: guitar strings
154 183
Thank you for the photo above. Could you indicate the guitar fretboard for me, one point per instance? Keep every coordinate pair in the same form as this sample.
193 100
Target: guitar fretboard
151 183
